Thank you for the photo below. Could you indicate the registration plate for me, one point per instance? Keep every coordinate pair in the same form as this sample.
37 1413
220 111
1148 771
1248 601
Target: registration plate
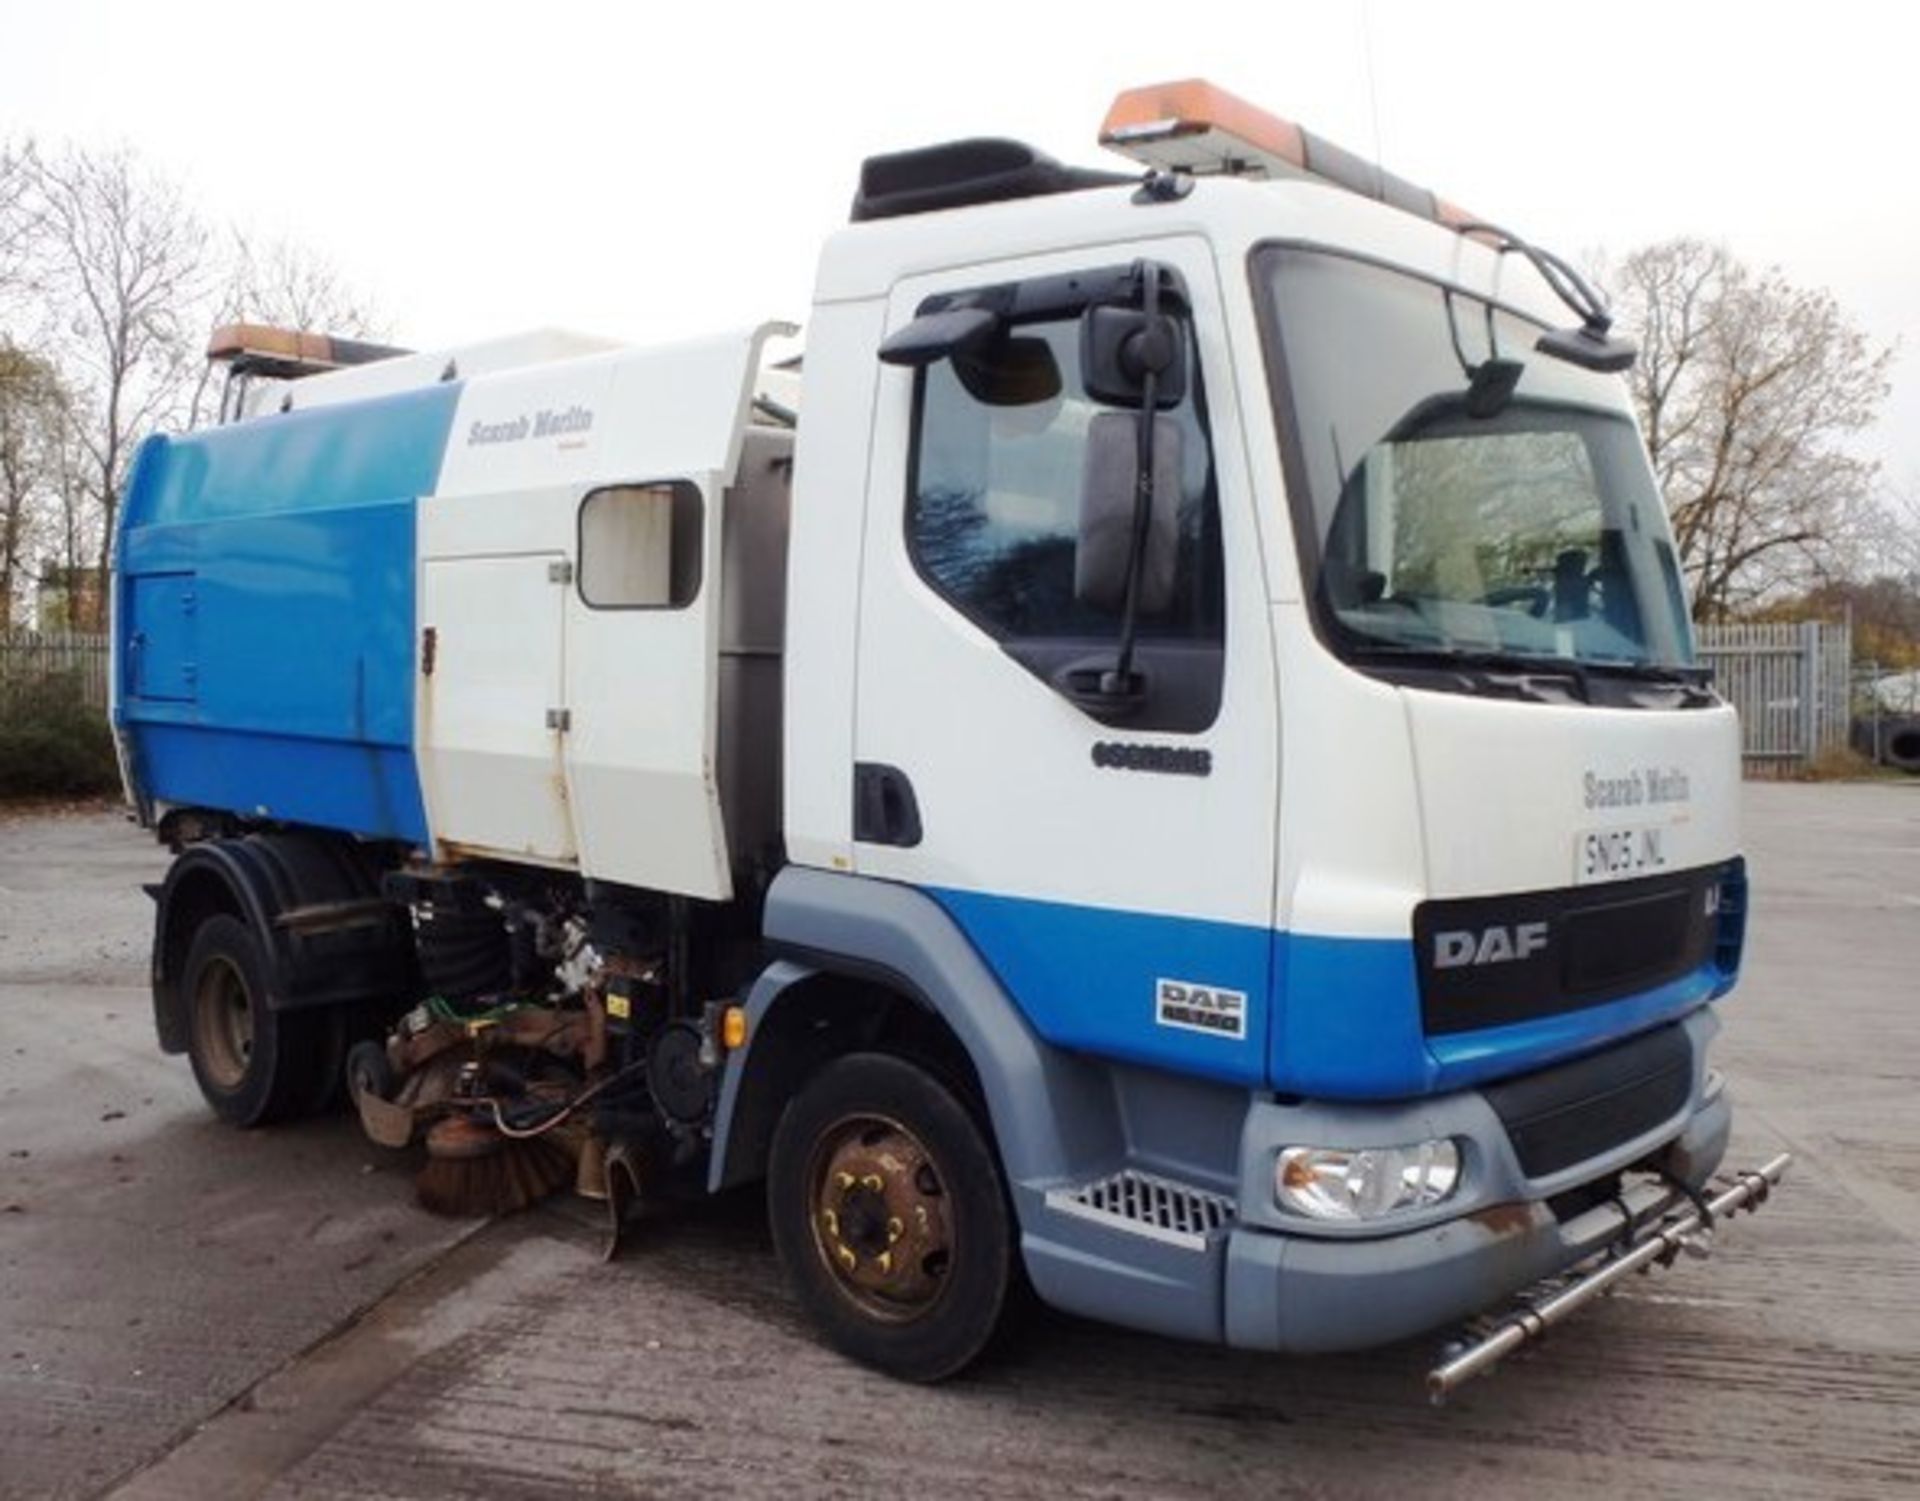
1619 853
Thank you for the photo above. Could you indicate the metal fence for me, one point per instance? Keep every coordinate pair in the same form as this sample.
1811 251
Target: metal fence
26 657
1791 682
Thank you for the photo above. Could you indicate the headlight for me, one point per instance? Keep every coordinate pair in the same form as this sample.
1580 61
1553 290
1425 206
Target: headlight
1363 1183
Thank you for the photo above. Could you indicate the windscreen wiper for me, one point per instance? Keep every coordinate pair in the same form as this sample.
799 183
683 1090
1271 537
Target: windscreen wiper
1695 682
1506 668
1515 669
1661 672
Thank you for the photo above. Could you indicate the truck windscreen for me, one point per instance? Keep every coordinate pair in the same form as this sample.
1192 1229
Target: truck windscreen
1456 494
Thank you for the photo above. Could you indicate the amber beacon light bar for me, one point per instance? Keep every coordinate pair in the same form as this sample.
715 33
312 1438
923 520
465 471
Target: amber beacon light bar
1195 127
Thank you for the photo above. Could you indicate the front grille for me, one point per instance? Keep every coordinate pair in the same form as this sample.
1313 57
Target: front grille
1576 1111
1158 1208
1633 943
1495 960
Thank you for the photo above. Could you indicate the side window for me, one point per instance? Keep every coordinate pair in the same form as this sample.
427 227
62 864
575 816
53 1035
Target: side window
993 505
640 546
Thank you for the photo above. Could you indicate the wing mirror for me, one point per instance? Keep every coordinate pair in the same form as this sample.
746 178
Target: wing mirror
1121 346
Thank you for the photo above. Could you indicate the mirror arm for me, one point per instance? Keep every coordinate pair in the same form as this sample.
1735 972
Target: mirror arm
1120 682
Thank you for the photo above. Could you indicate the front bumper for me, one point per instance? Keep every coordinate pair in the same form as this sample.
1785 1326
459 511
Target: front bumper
1154 1250
1296 1293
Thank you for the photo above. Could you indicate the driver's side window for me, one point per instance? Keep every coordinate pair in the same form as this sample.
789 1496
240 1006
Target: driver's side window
994 497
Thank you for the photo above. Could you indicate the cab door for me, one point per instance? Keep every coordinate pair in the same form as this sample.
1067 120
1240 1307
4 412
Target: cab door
1117 872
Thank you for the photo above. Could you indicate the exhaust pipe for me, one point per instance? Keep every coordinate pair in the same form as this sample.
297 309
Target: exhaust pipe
1748 1191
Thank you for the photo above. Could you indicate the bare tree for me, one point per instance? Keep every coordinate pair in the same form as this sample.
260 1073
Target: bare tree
279 283
16 217
125 262
34 433
1896 537
1749 388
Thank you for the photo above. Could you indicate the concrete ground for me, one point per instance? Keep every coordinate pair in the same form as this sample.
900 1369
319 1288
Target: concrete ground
191 1312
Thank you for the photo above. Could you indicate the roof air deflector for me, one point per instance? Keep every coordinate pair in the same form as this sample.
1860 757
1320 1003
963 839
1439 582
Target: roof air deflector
960 173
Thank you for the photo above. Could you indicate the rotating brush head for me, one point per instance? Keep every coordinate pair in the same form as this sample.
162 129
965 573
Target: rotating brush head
473 1170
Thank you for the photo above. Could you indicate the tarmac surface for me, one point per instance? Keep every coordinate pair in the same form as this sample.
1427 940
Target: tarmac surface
192 1312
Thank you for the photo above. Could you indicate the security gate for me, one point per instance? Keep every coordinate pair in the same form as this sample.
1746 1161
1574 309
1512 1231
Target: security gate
1790 683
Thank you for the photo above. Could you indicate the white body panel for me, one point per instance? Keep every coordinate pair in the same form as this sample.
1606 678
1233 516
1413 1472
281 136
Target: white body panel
1351 846
657 413
408 372
552 731
831 475
642 688
1550 774
490 766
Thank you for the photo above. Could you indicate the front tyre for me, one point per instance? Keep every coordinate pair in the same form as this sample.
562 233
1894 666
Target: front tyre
890 1217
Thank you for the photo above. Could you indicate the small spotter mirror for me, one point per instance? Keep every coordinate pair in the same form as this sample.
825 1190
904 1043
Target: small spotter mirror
1589 348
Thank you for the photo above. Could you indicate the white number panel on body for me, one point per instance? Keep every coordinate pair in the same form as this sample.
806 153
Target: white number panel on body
1620 853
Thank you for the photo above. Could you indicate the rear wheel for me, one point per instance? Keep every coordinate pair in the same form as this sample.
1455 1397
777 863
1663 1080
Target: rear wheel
890 1217
253 1064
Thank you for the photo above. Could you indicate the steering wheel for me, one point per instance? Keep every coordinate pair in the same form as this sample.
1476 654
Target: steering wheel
1535 599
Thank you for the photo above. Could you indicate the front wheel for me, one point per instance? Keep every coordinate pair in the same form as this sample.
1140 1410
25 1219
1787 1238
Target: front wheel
890 1217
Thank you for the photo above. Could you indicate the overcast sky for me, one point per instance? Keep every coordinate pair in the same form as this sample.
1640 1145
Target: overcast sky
657 170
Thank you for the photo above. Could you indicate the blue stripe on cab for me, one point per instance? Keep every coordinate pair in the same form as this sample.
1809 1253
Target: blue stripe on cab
1327 1018
1087 978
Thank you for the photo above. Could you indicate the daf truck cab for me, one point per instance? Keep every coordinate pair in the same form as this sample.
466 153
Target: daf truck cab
1166 763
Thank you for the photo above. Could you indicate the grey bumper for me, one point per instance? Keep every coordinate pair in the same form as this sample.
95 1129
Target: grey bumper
1264 1279
1296 1293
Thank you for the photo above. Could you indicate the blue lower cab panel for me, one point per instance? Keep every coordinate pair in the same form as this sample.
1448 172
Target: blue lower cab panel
1325 1018
371 790
1091 978
1462 1059
1347 1023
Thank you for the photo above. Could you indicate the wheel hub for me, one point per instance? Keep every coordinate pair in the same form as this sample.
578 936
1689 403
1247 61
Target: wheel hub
881 1219
223 1016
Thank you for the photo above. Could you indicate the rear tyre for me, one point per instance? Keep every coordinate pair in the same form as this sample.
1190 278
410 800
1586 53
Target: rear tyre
891 1218
255 1065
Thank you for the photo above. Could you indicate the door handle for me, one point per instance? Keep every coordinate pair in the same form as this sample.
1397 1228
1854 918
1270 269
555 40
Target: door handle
885 810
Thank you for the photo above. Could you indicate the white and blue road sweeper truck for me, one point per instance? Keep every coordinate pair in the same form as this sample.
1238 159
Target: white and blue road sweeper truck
1160 761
